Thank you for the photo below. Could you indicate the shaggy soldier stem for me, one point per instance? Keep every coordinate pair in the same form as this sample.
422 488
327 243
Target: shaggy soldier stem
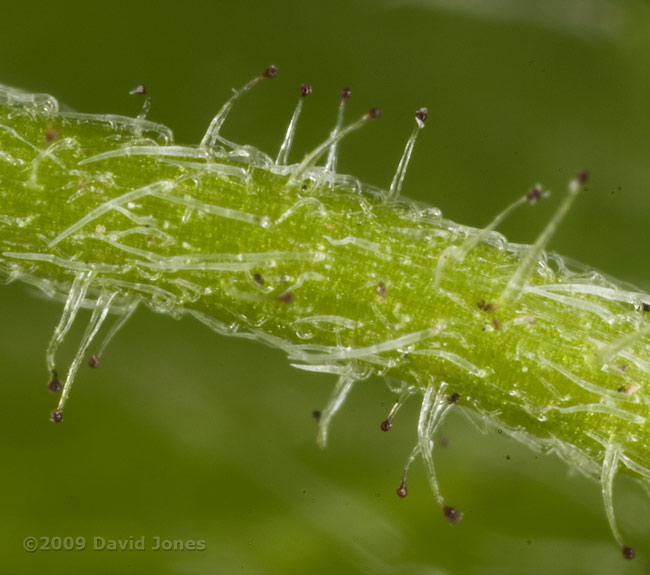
107 212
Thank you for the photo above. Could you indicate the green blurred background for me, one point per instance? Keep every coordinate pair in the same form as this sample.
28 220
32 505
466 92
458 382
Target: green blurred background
184 434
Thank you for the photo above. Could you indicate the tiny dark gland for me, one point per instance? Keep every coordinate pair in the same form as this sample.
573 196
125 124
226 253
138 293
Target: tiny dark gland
93 361
51 135
386 425
345 95
629 552
305 90
56 416
374 113
270 72
139 90
422 114
452 515
453 398
54 385
401 491
317 415
286 298
258 279
583 177
534 195
646 306
487 307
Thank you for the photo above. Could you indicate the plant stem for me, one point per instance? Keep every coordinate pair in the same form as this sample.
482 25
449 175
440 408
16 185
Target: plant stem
108 210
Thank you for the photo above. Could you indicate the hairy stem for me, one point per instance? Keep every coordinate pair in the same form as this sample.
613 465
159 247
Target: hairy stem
107 212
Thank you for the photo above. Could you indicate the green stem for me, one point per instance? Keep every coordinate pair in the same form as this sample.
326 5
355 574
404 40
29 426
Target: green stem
315 263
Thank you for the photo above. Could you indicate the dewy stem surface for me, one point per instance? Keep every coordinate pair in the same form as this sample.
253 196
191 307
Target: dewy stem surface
325 268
